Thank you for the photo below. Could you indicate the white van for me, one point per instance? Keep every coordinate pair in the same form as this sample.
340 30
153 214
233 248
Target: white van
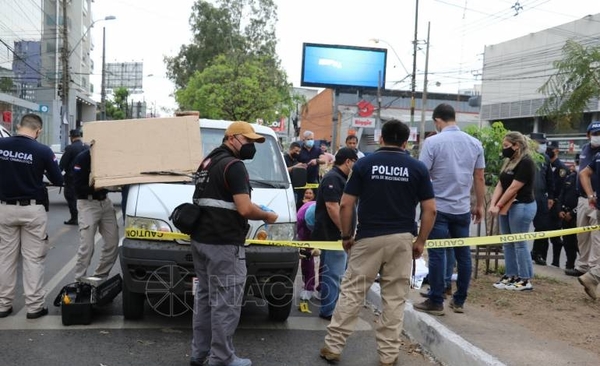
153 270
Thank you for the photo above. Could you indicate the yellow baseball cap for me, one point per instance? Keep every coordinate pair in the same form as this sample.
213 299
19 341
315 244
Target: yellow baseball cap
244 129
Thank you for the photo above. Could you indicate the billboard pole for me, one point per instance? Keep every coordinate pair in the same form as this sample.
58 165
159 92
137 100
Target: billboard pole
103 83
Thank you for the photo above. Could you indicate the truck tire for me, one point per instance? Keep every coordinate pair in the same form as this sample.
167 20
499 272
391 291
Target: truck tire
133 304
280 308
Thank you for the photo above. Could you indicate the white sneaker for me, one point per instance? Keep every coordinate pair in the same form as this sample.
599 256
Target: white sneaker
503 282
305 295
520 285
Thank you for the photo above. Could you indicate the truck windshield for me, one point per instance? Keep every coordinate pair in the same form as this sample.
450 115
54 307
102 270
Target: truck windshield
267 169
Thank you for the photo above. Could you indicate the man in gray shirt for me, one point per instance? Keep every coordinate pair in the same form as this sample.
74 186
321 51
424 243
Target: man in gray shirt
456 163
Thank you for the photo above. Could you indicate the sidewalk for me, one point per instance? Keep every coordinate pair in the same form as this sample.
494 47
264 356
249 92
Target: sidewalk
479 338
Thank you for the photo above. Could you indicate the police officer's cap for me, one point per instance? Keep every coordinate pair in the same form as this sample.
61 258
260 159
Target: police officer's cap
553 144
75 133
594 126
539 137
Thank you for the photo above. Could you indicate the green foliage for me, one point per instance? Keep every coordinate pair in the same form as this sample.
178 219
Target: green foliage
117 107
570 88
6 84
229 27
237 89
491 138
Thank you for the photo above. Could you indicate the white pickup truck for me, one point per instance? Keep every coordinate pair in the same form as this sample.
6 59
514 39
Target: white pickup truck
155 271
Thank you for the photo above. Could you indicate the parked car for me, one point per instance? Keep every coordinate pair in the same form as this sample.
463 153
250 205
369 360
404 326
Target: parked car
153 270
4 132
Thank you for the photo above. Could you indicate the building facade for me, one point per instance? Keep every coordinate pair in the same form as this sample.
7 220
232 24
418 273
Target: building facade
514 71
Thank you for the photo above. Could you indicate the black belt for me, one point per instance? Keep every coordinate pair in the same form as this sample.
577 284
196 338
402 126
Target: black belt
23 202
92 197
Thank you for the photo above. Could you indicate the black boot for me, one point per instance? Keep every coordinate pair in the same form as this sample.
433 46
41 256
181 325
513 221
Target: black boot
71 221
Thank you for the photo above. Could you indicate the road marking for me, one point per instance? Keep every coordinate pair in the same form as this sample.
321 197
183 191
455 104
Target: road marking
55 281
54 322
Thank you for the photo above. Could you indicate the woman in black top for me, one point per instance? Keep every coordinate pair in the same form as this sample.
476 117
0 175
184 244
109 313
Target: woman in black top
514 203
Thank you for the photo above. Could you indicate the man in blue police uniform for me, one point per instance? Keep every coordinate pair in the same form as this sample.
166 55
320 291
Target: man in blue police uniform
23 218
544 197
327 228
223 192
456 163
559 172
586 215
389 184
568 216
96 214
66 165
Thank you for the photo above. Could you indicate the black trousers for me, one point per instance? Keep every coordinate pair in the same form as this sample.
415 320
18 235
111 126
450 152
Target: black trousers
569 242
69 192
545 220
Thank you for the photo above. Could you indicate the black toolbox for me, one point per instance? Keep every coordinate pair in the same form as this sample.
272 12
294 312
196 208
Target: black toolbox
77 300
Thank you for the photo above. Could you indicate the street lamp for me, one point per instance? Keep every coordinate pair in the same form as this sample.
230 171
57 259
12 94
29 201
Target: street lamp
109 17
66 77
377 40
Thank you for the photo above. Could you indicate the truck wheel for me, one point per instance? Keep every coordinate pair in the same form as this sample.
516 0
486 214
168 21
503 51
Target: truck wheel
280 308
133 304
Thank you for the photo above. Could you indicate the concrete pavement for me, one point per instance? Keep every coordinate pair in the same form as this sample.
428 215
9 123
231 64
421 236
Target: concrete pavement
479 338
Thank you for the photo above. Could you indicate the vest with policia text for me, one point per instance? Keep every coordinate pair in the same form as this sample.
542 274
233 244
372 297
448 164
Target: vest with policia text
220 222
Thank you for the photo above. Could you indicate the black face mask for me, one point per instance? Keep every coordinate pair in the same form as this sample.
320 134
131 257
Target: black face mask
508 152
247 151
550 153
294 155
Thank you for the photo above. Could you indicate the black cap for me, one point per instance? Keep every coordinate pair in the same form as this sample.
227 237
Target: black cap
553 144
539 137
75 133
345 153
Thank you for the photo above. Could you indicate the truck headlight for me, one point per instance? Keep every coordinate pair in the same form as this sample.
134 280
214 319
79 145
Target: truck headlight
143 223
286 231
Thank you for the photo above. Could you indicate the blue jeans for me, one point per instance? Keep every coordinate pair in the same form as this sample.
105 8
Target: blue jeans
449 226
516 255
450 262
333 266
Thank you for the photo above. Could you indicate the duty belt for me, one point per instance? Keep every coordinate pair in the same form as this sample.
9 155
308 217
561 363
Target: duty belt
91 197
23 202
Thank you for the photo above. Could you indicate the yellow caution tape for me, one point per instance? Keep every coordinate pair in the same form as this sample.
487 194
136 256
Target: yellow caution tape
304 307
143 234
308 185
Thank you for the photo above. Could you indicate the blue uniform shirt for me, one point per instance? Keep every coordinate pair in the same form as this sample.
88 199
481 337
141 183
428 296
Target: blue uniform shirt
23 162
389 184
585 158
82 167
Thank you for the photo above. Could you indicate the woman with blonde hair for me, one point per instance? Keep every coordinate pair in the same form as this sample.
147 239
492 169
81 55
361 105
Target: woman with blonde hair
514 203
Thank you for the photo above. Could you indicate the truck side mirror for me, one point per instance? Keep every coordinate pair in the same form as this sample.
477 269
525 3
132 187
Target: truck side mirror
298 177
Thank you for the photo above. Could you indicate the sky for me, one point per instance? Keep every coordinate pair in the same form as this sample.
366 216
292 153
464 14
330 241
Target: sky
146 31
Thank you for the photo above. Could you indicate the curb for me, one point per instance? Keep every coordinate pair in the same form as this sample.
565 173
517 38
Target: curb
436 339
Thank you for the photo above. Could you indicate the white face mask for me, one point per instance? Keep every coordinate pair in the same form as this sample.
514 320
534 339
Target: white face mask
595 140
542 148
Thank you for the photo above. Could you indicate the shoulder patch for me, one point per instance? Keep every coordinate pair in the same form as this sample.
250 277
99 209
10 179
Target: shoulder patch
562 173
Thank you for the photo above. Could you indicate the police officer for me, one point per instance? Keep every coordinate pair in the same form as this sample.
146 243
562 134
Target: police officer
568 218
223 192
23 218
559 173
544 197
96 213
66 165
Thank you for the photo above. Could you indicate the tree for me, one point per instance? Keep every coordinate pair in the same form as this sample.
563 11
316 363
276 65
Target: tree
237 89
117 107
235 26
576 81
6 84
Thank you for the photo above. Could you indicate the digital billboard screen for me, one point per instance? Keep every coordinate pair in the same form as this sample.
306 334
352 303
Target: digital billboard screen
331 66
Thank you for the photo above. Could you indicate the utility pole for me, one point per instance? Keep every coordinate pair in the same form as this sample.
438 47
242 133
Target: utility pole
66 78
424 102
103 83
413 82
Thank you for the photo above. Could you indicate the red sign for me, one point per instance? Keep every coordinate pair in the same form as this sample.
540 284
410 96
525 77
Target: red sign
365 109
278 126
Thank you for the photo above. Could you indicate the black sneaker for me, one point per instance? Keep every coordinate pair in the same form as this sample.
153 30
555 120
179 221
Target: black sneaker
539 260
429 307
71 222
574 272
37 314
5 313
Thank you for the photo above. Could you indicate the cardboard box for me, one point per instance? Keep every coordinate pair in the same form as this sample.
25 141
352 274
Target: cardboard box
122 150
